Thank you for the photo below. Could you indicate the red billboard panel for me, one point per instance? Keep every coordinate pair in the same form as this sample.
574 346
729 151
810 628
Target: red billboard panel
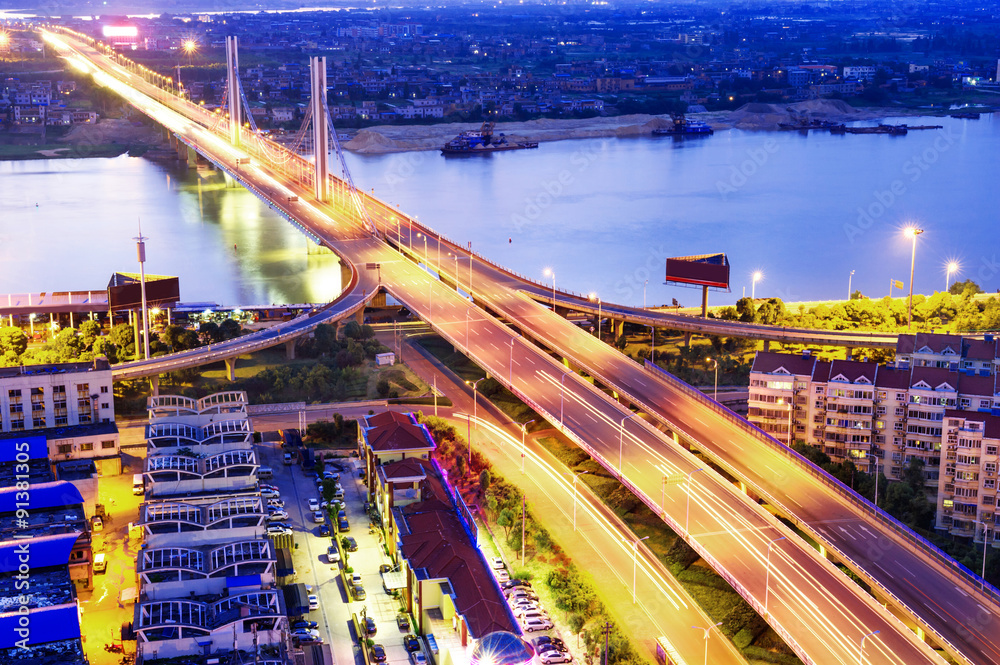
710 270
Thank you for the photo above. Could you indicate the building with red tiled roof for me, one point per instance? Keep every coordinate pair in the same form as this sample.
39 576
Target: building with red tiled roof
881 417
390 437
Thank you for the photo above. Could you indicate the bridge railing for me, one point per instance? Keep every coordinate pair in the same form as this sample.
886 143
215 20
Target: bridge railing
915 540
552 418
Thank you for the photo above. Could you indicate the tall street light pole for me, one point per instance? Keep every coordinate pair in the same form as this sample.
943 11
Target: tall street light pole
635 551
621 441
715 391
549 272
524 430
475 413
849 280
912 232
644 293
952 267
767 577
140 248
757 276
576 477
861 651
986 543
707 631
687 509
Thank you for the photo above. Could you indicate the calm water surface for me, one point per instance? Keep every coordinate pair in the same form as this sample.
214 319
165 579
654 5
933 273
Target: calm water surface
603 214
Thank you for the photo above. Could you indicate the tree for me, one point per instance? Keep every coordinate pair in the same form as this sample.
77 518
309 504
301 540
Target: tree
507 520
89 331
857 295
966 288
210 332
123 337
230 329
745 308
12 341
484 481
460 464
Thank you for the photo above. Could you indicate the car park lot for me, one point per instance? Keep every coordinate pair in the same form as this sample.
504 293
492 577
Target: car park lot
336 607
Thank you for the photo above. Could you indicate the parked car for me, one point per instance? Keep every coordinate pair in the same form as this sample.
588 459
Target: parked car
551 657
324 529
331 475
277 516
418 658
269 493
350 544
278 530
526 609
332 554
303 623
283 525
532 625
530 595
411 643
343 524
403 621
542 640
378 653
306 632
276 503
358 592
318 517
313 505
356 579
313 602
502 575
512 584
497 563
370 628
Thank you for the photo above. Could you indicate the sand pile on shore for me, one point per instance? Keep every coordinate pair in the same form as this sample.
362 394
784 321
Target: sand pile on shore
368 140
757 115
113 131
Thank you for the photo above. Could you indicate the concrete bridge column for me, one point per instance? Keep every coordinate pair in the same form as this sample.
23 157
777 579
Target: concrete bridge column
359 316
687 340
618 327
849 351
767 345
192 157
231 368
154 384
290 349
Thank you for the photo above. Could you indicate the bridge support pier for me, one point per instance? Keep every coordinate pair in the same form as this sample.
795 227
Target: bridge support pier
359 316
767 345
154 384
618 328
321 130
704 302
687 340
192 156
849 351
231 368
290 349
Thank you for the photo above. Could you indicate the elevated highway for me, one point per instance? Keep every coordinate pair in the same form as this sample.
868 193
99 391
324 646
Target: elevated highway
822 614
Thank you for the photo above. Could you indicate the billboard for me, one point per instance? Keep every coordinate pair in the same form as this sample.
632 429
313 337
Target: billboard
119 31
125 291
709 270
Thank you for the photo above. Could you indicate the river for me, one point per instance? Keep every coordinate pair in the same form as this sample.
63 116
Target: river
602 214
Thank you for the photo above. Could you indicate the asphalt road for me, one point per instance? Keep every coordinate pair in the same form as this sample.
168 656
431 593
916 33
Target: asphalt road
825 614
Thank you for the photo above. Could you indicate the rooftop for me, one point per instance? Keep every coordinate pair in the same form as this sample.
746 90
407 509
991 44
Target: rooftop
771 362
68 432
98 365
392 431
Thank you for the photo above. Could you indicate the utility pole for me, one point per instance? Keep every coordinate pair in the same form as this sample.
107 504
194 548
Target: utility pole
140 247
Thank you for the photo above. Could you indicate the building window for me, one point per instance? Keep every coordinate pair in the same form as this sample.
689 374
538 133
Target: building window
38 421
107 444
64 448
104 390
104 405
86 447
83 390
61 421
991 450
17 425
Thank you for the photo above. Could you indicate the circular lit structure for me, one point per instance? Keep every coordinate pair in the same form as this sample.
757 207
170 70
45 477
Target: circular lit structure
502 648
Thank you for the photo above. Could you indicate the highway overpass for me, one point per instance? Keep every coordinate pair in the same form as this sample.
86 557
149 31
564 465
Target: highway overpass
823 615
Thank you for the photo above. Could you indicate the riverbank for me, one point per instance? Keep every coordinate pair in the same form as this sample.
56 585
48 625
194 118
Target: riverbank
756 116
108 138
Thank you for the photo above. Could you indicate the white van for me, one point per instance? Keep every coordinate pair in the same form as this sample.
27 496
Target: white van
138 484
100 563
265 473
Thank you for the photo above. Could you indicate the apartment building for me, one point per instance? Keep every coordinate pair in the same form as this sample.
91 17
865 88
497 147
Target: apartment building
967 487
69 405
207 572
879 416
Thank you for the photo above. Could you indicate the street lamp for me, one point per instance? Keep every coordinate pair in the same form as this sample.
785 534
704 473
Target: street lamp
576 478
562 396
911 232
757 276
549 272
715 392
986 543
593 296
952 267
475 412
621 441
707 630
652 344
767 577
861 652
849 279
644 293
635 550
687 509
524 429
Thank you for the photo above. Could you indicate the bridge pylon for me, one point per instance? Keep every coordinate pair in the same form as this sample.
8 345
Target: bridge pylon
234 98
320 127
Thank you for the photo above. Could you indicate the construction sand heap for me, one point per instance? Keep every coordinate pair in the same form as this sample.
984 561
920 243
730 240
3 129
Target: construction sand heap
757 115
113 131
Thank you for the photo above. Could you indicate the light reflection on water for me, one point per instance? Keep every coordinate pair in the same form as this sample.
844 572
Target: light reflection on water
223 244
604 214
